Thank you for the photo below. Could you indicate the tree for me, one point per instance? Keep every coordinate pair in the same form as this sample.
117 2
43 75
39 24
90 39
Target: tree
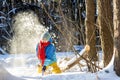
90 29
116 20
105 22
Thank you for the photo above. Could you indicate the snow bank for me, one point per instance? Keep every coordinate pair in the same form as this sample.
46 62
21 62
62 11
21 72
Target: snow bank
28 71
105 74
101 75
5 75
71 76
74 58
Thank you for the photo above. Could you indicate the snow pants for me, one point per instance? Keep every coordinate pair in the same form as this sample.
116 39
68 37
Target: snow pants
55 68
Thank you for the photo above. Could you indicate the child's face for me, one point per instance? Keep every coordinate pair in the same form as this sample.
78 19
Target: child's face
44 40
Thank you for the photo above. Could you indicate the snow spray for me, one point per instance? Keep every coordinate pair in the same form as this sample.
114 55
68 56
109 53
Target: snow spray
27 30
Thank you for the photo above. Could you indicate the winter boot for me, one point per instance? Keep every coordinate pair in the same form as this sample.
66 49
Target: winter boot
55 67
39 68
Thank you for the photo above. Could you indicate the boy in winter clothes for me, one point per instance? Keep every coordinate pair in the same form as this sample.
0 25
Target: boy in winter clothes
46 54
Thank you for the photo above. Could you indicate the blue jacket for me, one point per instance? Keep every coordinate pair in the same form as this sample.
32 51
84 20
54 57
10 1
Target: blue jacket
50 54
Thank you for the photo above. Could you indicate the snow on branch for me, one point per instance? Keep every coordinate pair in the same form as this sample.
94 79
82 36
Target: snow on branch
2 13
3 25
2 51
75 59
12 11
2 17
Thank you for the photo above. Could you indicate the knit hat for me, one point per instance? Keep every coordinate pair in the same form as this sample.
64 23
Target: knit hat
46 36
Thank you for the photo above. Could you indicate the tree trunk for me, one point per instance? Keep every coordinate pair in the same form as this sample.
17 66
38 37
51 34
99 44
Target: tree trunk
105 21
10 4
32 1
116 20
90 29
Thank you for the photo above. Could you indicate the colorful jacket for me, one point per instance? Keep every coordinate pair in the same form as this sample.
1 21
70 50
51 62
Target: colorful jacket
50 56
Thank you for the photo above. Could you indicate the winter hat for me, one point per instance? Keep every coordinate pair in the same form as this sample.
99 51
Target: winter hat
46 36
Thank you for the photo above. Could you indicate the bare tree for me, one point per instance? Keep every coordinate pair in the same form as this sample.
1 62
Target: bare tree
106 28
90 28
116 21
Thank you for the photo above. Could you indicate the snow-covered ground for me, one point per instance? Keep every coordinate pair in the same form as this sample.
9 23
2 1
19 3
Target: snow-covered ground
24 67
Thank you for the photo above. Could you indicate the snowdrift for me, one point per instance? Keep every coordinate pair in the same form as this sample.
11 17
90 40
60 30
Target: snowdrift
5 75
27 70
106 73
71 76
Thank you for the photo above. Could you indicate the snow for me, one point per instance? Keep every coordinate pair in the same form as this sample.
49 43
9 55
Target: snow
3 52
24 67
2 25
12 11
2 17
74 58
2 13
5 75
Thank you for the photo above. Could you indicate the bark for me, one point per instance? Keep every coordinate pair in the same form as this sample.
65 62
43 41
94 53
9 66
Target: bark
106 28
90 29
116 21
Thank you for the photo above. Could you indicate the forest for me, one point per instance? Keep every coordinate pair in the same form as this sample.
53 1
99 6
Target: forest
70 22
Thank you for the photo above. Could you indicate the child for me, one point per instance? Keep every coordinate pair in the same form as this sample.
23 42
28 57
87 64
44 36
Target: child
46 54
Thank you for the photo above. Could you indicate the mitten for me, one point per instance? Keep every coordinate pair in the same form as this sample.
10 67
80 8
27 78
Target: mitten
43 68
